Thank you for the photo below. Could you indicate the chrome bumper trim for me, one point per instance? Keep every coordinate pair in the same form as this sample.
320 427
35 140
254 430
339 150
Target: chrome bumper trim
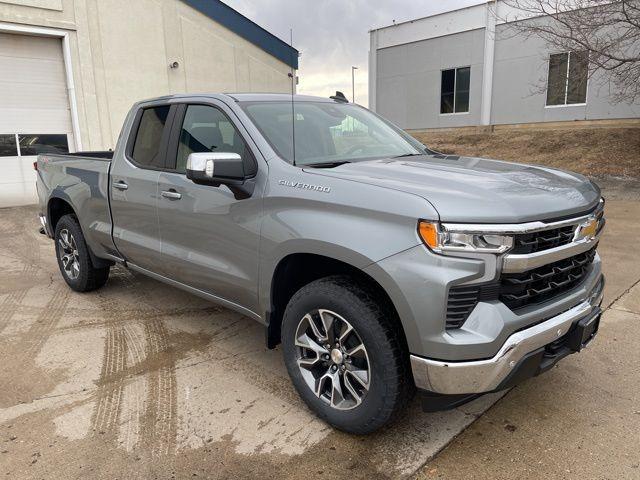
524 262
451 378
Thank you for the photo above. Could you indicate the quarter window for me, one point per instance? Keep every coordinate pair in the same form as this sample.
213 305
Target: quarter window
567 79
207 129
454 90
146 149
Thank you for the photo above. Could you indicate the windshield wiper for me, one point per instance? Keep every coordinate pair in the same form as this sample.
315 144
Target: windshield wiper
325 164
409 155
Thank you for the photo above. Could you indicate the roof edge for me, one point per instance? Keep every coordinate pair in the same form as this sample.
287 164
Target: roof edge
249 30
479 4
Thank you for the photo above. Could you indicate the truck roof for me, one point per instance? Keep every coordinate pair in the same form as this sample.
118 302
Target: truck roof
246 97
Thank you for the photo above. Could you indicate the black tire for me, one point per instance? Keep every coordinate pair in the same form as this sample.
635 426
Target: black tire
88 277
391 386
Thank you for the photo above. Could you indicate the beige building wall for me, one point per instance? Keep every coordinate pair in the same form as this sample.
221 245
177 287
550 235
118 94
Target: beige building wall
121 51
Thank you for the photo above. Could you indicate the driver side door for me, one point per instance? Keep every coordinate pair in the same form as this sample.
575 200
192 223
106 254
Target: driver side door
209 237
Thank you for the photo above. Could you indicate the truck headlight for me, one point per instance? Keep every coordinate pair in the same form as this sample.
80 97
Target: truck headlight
440 240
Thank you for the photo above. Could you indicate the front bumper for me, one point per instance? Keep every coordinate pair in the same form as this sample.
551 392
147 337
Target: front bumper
514 359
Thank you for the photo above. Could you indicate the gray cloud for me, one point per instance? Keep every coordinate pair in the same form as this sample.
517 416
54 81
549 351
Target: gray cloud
332 35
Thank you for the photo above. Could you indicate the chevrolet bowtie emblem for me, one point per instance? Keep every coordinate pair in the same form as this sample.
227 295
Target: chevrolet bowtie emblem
587 230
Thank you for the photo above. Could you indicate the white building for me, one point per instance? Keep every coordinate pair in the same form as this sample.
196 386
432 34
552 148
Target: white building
70 70
468 68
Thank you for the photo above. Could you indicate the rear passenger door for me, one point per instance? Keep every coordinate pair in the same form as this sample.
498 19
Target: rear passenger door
209 235
134 187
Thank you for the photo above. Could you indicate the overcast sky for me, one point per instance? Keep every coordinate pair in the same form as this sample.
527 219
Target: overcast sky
332 35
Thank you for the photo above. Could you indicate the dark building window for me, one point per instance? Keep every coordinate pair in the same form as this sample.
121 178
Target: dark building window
146 148
8 147
567 80
37 144
454 90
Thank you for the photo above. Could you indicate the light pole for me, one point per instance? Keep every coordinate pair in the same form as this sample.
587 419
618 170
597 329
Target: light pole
353 84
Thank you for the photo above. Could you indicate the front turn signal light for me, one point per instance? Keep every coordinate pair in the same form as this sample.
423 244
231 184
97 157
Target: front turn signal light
429 233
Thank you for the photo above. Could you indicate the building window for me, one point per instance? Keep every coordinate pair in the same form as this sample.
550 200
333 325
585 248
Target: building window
567 80
37 144
25 145
8 146
454 90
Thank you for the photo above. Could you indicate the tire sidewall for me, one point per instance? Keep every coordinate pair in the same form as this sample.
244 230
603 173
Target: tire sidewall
359 316
69 223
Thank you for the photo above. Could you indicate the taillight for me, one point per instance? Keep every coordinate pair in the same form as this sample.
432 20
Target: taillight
35 165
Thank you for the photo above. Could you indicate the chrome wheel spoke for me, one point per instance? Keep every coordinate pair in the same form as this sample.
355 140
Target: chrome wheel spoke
327 318
358 350
352 390
337 397
360 376
345 332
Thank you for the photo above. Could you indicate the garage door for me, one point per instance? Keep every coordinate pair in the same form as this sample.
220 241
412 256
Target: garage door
34 111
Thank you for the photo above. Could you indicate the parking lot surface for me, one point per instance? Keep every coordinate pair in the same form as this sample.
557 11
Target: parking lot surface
140 380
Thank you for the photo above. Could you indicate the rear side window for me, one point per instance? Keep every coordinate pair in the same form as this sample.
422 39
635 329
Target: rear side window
146 149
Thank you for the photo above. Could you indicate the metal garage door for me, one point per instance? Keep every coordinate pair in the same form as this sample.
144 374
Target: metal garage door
34 111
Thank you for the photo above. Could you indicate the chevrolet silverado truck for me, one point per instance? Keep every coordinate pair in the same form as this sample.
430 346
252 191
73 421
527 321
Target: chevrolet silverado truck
382 267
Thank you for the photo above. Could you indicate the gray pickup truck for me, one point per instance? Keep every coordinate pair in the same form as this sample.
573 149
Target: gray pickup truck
381 266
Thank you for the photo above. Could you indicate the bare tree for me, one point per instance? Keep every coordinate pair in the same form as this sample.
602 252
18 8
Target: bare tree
608 30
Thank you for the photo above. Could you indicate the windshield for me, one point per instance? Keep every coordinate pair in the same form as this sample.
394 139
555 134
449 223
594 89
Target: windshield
328 133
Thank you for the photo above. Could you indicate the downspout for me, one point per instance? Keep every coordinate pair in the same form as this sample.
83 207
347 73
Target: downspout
71 92
487 68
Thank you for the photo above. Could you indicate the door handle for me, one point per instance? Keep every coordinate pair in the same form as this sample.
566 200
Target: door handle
120 185
171 194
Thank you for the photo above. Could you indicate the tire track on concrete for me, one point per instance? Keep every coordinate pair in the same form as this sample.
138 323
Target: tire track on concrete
108 397
160 426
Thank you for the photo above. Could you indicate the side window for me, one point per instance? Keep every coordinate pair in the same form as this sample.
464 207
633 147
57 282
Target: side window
207 129
146 149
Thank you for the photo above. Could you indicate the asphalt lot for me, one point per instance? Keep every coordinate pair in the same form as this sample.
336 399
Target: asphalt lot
140 380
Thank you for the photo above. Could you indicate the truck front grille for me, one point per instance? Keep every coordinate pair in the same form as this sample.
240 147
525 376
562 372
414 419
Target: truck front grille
519 290
536 241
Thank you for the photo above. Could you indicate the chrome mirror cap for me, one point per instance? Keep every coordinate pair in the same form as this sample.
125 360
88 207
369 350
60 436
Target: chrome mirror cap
204 162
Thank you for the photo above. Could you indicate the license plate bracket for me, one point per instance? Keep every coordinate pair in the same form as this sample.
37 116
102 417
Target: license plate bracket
584 330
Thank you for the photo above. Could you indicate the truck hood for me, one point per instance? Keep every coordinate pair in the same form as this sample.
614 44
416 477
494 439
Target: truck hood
477 190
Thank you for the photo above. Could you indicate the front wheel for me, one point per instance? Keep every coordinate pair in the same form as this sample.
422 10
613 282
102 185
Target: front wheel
346 355
73 256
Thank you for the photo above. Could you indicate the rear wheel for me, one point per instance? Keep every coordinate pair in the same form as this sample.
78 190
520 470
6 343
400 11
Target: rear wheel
345 355
73 256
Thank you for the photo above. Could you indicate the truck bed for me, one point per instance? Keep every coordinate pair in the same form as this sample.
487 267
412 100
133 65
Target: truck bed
82 179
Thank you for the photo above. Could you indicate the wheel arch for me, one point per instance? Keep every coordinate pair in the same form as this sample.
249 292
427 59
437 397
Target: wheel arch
297 269
57 207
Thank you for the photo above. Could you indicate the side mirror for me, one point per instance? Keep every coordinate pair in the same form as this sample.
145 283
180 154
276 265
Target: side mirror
215 168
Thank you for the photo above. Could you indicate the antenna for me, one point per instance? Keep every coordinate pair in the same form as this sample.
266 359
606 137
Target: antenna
293 108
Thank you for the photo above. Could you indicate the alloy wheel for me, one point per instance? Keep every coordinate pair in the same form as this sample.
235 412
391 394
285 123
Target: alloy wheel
68 253
332 359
